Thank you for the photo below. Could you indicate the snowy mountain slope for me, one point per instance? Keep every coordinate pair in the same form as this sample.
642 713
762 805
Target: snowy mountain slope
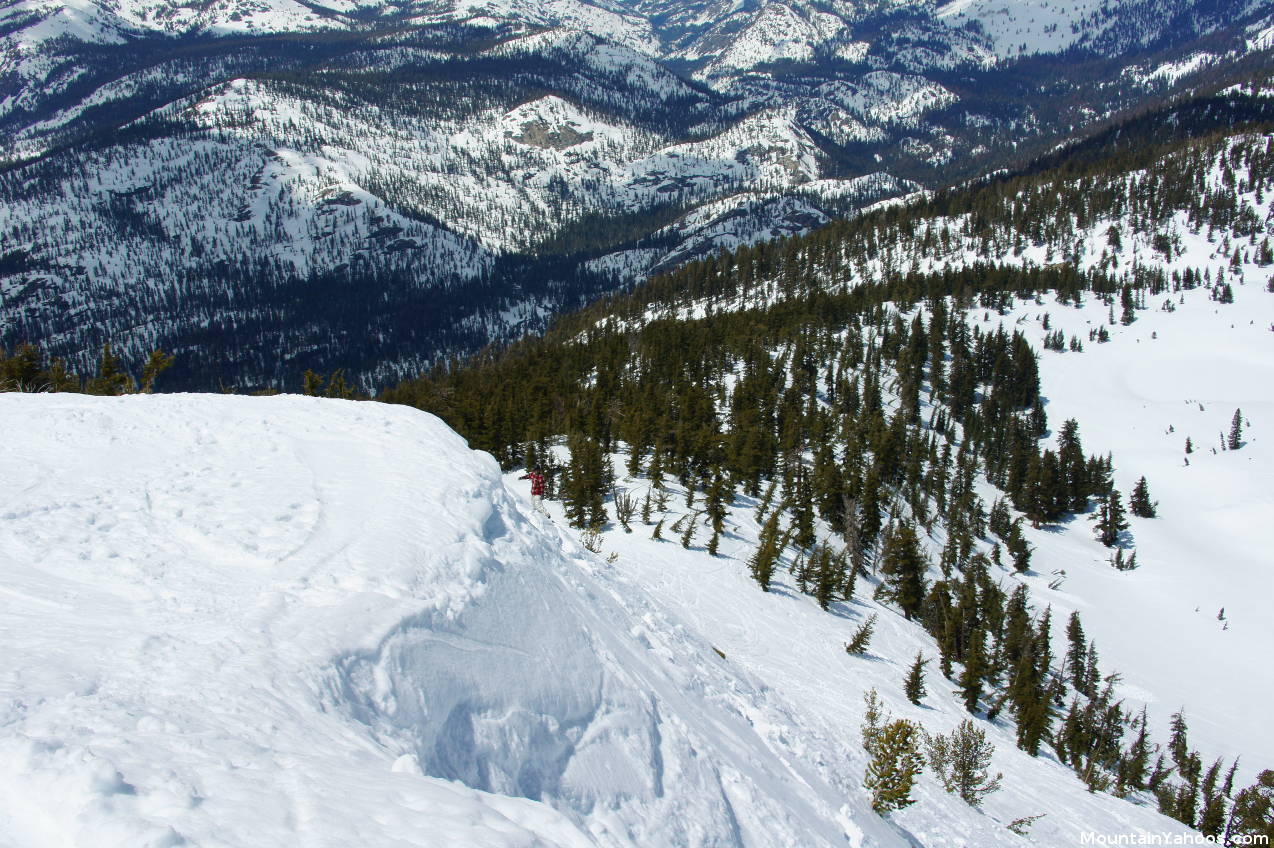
1033 27
291 189
35 30
1050 26
292 184
1195 350
238 645
218 635
1169 376
783 639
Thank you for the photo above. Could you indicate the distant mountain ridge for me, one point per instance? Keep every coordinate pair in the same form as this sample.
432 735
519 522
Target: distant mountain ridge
271 186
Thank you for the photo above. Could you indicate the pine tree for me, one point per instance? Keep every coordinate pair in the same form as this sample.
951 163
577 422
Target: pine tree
587 480
1127 316
869 522
862 637
1091 675
1235 440
1139 503
904 567
1212 813
829 574
1110 519
1076 653
312 383
914 686
975 670
1253 812
688 532
1032 708
1135 764
873 718
155 365
716 510
962 762
768 549
1179 740
895 762
111 378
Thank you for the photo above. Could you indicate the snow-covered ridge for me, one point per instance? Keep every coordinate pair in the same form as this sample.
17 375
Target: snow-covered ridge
240 621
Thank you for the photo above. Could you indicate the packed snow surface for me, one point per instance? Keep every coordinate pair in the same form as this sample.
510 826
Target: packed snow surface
286 621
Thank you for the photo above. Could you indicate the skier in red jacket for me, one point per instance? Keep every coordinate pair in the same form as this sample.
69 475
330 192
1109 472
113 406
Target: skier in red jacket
536 476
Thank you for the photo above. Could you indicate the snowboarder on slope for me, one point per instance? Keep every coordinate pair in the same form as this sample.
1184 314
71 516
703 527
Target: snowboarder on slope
536 476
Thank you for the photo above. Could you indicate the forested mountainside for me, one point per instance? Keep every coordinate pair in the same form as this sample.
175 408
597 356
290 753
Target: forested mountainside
266 188
1032 407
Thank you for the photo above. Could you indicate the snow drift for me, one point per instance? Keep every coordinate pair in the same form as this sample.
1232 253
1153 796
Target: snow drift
267 621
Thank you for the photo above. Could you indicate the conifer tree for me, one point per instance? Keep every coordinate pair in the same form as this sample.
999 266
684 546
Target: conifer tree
1076 653
1091 675
716 509
895 762
1139 503
829 574
975 669
904 567
914 686
1212 812
1253 812
767 500
1031 706
1017 546
1127 315
312 383
1074 470
862 637
870 503
962 762
873 717
1179 740
1110 519
769 548
587 480
1235 439
155 365
688 532
111 378
1134 766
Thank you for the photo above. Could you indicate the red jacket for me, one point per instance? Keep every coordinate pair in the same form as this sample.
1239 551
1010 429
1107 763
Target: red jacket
537 482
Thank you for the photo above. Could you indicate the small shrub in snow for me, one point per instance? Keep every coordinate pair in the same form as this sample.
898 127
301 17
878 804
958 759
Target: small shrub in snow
961 760
895 762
